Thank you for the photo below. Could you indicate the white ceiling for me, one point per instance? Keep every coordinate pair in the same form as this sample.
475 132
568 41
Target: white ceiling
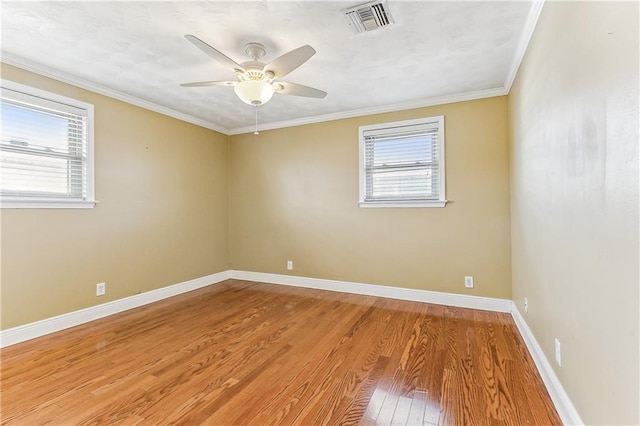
435 52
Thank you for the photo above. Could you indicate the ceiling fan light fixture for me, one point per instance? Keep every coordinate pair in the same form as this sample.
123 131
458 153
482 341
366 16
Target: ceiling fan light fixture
254 92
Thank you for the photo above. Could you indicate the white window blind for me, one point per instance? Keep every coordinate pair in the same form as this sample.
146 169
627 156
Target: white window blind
402 163
45 158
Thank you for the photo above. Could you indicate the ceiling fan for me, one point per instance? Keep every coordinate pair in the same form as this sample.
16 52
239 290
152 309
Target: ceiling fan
257 82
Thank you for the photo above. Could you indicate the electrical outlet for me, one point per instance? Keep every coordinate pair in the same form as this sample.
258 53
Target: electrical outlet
558 353
526 305
290 265
468 282
101 289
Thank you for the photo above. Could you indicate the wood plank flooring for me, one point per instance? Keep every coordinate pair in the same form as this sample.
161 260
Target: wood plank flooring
244 353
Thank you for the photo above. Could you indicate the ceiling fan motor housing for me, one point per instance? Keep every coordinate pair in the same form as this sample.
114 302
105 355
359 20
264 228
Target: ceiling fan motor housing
254 70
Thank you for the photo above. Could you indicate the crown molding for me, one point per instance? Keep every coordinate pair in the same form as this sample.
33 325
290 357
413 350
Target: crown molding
43 70
440 100
88 85
523 44
525 38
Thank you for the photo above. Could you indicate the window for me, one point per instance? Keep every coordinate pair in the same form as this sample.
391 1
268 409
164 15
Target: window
402 164
46 149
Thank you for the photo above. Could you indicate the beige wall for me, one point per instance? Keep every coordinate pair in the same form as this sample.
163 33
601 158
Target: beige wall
294 193
574 200
161 218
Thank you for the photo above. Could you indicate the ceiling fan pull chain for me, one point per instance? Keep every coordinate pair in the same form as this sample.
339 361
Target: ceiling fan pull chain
256 132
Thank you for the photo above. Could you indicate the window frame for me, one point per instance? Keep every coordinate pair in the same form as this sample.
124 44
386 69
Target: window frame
43 98
382 127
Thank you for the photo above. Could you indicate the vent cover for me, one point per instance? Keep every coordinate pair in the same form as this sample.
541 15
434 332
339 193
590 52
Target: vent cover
369 16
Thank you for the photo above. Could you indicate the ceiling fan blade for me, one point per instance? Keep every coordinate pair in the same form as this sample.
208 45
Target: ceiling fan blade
288 62
294 89
215 54
209 84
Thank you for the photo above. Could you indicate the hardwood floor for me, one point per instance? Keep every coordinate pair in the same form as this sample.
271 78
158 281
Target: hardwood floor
257 354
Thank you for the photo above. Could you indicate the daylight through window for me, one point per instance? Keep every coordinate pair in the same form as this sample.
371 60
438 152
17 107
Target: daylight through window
45 149
402 164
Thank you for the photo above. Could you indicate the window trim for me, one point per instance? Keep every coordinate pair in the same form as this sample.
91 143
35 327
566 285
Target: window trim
62 102
440 202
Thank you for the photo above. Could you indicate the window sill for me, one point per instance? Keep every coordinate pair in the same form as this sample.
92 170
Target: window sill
403 204
46 204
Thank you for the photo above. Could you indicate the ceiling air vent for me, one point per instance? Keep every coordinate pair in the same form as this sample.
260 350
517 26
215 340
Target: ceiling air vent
369 16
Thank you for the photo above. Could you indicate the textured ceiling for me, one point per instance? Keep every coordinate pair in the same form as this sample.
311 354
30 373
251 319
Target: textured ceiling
434 50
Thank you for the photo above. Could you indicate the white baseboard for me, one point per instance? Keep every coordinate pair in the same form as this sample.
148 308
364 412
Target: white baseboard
32 330
563 404
449 299
561 400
